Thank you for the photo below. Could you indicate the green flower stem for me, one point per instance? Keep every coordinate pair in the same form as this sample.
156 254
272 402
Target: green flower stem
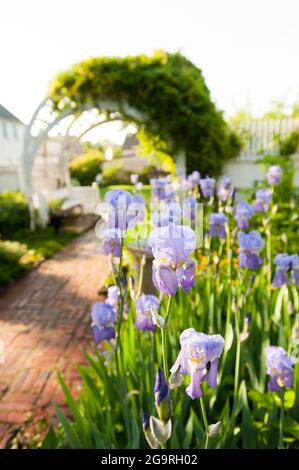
208 286
205 420
141 271
269 277
241 299
286 316
121 383
229 296
281 421
120 304
164 353
164 339
269 266
238 355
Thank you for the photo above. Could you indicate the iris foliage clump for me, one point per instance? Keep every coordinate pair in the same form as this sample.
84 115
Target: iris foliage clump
210 359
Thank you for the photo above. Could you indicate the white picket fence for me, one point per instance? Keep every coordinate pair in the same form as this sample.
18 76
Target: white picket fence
260 135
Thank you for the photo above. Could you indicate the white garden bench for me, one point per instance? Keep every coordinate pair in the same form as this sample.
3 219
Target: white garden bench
84 197
69 202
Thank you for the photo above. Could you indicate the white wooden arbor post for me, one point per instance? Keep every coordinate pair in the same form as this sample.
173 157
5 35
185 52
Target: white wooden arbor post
42 121
180 159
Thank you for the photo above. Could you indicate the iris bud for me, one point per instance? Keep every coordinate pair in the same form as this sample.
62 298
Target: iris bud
214 429
162 397
246 328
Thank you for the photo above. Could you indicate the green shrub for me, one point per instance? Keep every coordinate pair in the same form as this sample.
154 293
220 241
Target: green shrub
289 145
55 205
14 259
157 163
85 167
111 173
14 213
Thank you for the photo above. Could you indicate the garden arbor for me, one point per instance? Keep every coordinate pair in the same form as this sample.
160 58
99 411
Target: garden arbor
164 94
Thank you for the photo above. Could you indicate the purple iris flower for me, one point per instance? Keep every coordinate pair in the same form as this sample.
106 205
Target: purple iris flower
127 209
226 182
244 212
189 208
145 421
170 195
162 189
225 189
194 179
172 247
103 317
112 242
273 175
199 358
139 186
112 297
263 198
169 213
207 186
250 245
144 306
287 269
217 225
279 367
161 389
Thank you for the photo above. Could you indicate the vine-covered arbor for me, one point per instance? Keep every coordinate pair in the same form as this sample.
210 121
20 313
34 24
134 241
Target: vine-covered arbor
164 94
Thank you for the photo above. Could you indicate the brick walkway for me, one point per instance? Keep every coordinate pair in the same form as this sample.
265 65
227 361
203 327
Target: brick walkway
45 325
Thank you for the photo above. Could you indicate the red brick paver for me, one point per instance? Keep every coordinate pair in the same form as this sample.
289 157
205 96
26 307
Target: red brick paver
45 326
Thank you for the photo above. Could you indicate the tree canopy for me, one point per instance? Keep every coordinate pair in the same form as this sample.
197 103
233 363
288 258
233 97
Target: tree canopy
167 91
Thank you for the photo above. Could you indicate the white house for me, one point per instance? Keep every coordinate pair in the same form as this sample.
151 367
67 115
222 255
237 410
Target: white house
50 169
12 132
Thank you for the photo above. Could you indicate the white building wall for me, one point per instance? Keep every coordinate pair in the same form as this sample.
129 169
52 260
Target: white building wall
243 173
260 135
50 169
11 142
11 147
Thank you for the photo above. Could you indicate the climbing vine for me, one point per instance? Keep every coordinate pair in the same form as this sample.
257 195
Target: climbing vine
168 92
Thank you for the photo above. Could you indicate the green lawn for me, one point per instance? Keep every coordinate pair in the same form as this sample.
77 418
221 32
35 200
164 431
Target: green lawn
27 249
45 241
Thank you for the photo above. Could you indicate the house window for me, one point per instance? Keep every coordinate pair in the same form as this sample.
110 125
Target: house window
4 131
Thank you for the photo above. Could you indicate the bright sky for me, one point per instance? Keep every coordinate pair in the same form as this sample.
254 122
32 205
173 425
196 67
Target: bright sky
247 49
